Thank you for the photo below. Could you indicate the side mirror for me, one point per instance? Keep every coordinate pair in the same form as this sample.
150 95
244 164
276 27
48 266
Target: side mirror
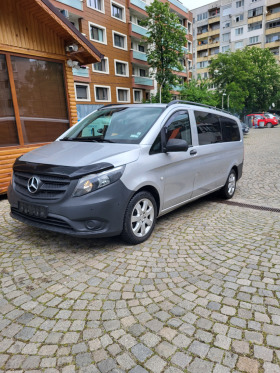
176 145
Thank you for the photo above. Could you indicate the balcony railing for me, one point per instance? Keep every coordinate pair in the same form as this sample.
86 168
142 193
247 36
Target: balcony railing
141 4
179 5
143 81
81 72
139 29
140 56
77 4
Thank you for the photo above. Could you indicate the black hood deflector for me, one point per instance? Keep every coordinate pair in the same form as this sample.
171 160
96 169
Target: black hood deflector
57 170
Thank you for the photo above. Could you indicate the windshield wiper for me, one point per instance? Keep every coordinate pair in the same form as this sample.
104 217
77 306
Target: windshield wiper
79 139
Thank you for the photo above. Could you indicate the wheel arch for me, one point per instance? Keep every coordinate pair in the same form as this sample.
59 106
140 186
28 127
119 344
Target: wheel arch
154 192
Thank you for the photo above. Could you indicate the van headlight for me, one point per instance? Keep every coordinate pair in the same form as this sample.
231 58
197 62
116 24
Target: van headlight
92 182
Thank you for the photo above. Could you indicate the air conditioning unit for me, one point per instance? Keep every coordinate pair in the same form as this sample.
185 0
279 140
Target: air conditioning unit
65 12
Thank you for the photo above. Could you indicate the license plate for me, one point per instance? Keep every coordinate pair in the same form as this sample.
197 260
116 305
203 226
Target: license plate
33 210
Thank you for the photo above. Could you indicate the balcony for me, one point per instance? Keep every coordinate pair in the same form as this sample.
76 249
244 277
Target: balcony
139 3
185 50
77 4
84 73
214 32
272 30
142 80
272 16
178 5
139 56
272 44
255 19
202 46
214 19
139 29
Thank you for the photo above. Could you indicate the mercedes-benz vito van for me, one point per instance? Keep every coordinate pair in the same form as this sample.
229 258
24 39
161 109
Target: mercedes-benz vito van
122 166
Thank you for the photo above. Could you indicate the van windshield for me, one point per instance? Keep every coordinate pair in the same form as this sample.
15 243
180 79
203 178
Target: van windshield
118 125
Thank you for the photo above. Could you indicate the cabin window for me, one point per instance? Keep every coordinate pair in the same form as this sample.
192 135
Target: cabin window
39 94
8 127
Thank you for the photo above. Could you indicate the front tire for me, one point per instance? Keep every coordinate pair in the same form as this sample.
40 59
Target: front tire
269 125
228 190
140 218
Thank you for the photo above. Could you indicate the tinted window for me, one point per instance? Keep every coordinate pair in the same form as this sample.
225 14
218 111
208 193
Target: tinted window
230 129
179 127
208 128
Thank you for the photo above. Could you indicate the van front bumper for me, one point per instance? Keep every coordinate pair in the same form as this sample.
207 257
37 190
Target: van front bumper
100 213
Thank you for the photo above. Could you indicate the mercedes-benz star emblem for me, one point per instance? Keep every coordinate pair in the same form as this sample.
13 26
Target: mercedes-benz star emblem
33 184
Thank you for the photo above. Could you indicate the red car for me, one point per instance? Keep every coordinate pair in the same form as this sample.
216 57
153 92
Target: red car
262 120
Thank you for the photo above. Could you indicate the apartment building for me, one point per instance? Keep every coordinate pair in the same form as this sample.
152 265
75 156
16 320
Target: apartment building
123 75
226 25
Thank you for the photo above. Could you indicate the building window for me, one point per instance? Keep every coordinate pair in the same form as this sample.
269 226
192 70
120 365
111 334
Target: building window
225 48
118 11
254 40
141 48
40 100
227 24
239 31
272 38
273 24
239 4
102 93
226 37
121 68
119 40
239 45
254 26
202 16
97 33
82 92
102 66
123 95
137 95
239 18
96 4
255 12
142 72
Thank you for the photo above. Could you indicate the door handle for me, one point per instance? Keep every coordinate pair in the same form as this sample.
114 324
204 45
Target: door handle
193 152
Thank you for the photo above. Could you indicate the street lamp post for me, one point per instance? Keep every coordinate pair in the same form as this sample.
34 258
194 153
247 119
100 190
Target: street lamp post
228 102
224 94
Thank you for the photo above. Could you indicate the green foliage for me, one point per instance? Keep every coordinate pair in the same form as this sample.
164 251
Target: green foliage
165 39
251 78
198 91
166 95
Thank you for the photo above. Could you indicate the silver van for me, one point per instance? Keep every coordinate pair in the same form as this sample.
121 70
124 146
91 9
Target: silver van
123 166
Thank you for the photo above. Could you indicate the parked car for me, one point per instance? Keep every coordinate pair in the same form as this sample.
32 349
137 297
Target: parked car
262 120
122 166
245 128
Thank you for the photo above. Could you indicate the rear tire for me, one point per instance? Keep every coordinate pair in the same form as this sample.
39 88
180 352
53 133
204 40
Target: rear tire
228 189
140 218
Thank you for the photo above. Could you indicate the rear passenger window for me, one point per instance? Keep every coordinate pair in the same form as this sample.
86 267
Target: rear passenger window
230 129
208 128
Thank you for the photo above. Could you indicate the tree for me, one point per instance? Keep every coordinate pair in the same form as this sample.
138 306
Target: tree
198 91
250 77
165 39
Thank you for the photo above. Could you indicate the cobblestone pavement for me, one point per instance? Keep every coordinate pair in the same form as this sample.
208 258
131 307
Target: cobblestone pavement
202 295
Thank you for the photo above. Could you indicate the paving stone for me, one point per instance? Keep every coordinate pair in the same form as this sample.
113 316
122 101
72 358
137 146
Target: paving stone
181 359
199 365
141 352
271 368
125 361
155 364
263 353
84 359
222 341
106 366
248 365
198 348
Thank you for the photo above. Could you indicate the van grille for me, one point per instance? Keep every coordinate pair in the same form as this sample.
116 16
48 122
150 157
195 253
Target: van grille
49 221
52 188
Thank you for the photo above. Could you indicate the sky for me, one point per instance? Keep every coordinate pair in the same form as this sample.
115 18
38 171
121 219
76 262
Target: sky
193 4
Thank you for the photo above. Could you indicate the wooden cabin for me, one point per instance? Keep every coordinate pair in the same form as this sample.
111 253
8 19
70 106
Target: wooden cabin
38 46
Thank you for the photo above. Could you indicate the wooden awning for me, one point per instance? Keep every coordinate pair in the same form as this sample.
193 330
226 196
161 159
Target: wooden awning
47 13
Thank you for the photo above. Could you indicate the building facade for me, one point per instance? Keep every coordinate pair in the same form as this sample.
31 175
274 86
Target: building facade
123 75
37 95
226 25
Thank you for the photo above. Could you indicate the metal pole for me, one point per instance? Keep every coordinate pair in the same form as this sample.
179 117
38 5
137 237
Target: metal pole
160 94
228 102
222 101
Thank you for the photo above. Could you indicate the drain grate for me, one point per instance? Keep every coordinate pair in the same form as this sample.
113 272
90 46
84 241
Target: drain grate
248 206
